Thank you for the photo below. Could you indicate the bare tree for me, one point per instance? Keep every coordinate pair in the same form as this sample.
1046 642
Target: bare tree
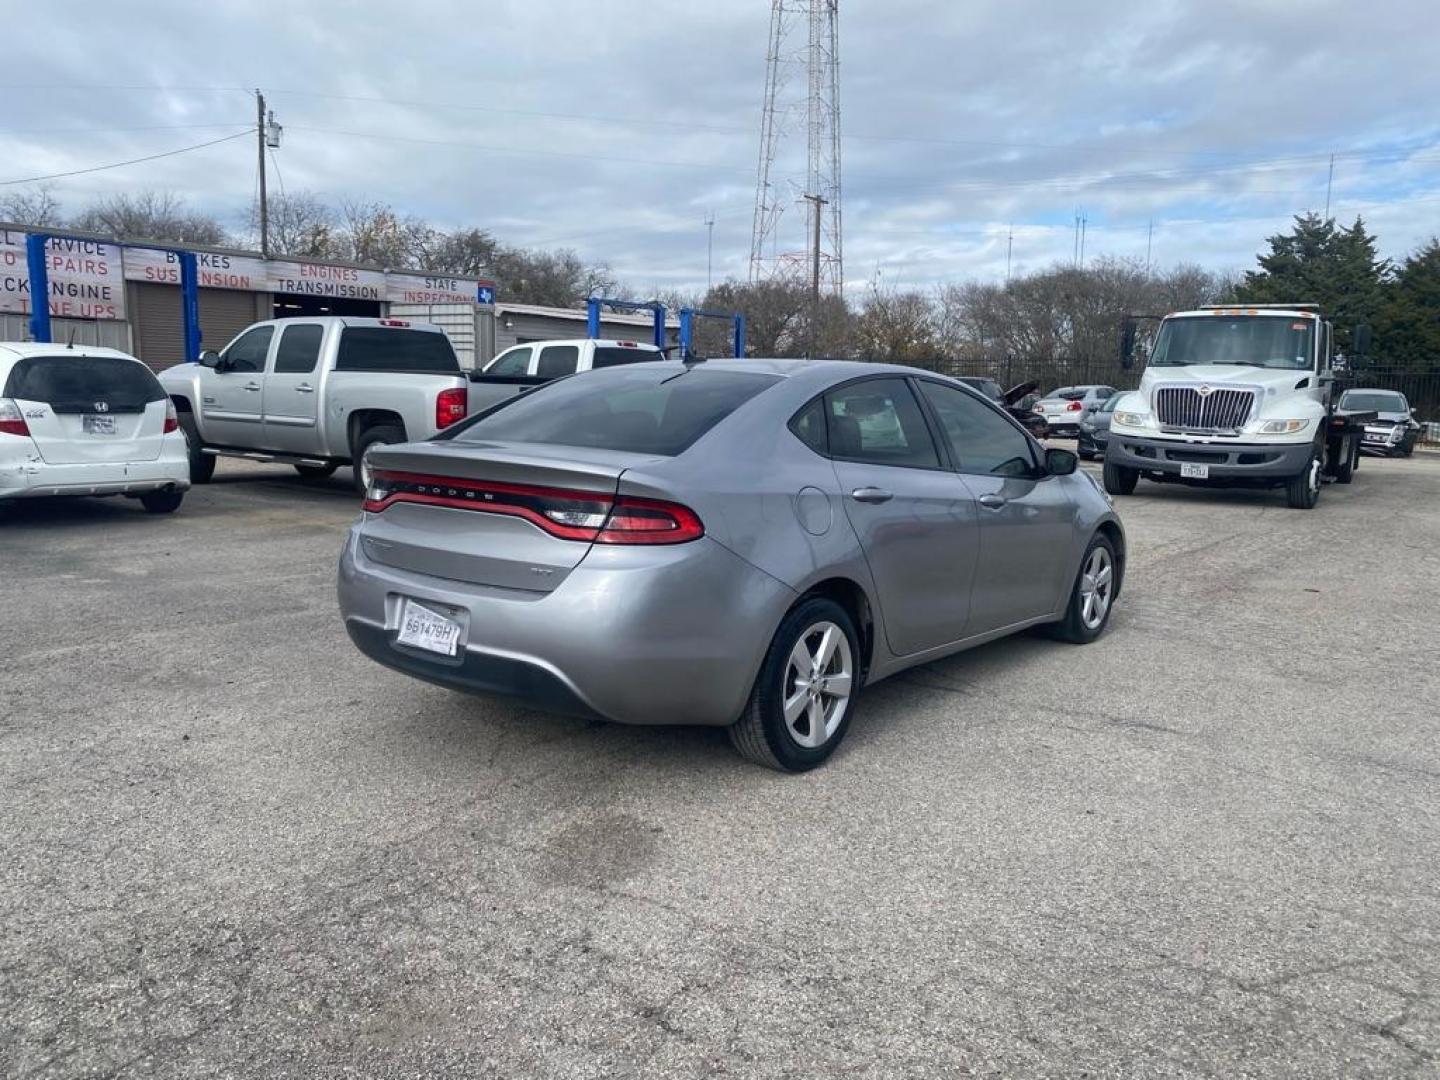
302 225
151 215
35 206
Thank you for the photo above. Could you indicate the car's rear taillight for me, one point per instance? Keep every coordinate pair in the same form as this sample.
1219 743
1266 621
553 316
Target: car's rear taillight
589 516
450 406
1074 406
172 418
12 420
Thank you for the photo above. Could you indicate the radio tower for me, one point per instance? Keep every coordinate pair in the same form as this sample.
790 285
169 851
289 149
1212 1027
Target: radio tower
804 41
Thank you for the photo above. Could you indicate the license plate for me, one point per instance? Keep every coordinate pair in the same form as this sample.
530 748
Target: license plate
98 425
422 628
1192 471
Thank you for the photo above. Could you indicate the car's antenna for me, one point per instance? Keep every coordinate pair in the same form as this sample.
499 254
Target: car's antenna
71 343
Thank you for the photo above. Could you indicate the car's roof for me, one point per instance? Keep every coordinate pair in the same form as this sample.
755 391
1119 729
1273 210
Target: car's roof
621 343
18 350
820 369
353 320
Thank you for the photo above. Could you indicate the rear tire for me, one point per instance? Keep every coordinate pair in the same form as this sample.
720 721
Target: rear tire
315 472
1086 455
817 635
1302 491
380 435
1120 480
162 502
1346 472
202 465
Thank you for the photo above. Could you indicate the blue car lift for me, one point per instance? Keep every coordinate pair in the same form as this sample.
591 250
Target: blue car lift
687 329
592 315
40 294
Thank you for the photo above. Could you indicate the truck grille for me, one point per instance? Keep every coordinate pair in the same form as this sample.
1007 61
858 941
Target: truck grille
1220 410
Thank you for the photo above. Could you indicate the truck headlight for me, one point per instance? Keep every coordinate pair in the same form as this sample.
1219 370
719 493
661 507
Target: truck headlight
1131 419
1283 427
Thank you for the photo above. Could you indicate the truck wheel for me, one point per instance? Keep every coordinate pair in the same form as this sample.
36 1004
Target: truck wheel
315 472
1345 471
1302 491
202 465
380 435
1119 480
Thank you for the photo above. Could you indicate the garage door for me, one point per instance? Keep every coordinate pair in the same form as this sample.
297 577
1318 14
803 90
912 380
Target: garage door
156 318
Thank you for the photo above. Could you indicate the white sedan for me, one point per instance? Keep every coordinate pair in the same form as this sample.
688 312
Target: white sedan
87 421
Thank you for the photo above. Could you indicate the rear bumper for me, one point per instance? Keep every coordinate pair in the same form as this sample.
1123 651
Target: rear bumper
1226 460
35 479
1093 441
637 636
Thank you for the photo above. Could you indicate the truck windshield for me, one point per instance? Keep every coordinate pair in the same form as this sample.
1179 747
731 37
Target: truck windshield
1265 341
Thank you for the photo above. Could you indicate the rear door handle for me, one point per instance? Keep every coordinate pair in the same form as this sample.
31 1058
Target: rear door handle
252 386
304 388
992 501
871 495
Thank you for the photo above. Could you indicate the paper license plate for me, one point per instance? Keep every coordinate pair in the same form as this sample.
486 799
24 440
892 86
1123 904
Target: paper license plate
98 425
1193 471
422 628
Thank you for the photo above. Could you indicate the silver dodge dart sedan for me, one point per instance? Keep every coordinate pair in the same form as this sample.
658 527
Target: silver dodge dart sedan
739 543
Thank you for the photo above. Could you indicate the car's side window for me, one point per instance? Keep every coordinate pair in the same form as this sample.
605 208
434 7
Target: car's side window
514 362
248 351
981 440
557 360
299 349
809 426
878 421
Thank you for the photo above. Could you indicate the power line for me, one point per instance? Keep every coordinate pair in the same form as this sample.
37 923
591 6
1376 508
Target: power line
121 164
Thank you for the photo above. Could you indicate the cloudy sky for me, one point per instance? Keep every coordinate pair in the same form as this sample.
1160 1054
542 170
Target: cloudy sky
616 127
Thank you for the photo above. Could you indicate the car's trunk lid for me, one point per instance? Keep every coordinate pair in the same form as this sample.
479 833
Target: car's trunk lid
473 512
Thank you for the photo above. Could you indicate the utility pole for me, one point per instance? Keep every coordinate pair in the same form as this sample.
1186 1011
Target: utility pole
260 151
1084 221
1329 183
1009 251
1075 244
818 202
1149 240
709 249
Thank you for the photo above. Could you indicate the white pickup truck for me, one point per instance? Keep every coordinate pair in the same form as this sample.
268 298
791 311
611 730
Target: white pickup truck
523 367
1237 396
317 393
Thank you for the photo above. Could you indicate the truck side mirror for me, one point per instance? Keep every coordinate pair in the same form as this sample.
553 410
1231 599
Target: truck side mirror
1127 344
209 358
1360 340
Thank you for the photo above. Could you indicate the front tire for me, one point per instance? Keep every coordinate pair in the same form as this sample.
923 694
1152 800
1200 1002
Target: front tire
202 465
804 697
1092 597
1120 480
380 435
162 502
315 472
1302 491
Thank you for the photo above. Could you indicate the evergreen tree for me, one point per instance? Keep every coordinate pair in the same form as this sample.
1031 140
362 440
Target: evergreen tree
1319 263
1409 331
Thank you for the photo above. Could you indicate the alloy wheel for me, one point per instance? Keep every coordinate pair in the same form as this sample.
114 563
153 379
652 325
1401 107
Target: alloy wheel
1097 584
819 676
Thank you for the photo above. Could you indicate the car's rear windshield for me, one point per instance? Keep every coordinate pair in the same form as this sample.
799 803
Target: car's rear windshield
385 348
615 355
1069 393
73 384
641 409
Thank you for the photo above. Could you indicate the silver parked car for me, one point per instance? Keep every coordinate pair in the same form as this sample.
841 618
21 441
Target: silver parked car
739 543
1064 407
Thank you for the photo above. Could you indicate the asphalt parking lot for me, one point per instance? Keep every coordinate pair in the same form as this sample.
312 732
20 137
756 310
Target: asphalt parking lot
1208 844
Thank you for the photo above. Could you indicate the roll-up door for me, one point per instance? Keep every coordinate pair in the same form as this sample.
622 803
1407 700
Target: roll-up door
156 319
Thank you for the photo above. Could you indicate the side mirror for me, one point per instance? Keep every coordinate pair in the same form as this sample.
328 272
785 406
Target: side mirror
1360 340
1127 345
209 358
1060 462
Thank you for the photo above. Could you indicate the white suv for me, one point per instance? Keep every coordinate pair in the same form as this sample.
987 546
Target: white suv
87 421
